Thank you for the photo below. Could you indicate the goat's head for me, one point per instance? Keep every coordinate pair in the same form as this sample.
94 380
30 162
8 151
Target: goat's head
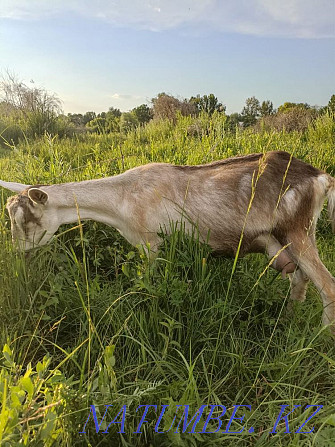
33 220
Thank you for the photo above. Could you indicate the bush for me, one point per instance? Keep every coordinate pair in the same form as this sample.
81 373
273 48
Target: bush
33 109
33 400
294 119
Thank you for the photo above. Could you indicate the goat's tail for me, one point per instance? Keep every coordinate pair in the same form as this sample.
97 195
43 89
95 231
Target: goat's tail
331 201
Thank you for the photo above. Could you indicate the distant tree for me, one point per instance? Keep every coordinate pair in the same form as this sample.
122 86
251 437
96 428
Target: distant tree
112 111
89 116
97 125
207 104
28 99
233 121
128 122
266 108
287 106
77 119
34 105
166 107
251 111
331 104
143 113
104 122
113 119
292 119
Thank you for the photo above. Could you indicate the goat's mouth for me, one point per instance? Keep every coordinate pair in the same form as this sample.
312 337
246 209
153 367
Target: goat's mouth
20 248
26 252
22 245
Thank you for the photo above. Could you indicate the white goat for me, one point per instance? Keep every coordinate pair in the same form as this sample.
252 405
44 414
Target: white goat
273 200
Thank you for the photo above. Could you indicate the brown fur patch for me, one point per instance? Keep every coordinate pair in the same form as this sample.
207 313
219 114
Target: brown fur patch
22 201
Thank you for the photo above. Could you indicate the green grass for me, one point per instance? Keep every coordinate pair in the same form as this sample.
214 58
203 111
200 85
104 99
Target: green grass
87 320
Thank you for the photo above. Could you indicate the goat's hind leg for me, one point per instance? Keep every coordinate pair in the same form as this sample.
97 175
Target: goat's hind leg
304 252
299 283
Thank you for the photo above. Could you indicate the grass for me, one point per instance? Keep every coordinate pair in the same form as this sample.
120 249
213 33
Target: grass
88 321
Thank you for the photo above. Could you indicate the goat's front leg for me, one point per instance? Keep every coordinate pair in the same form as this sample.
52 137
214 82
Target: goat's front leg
150 248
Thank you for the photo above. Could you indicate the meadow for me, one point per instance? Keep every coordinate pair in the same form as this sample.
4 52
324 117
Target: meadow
86 320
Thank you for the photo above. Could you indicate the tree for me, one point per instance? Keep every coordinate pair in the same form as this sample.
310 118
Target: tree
76 119
33 105
128 122
287 106
331 104
97 125
207 104
79 120
113 119
89 116
266 108
143 113
28 99
112 111
251 111
233 121
104 122
166 107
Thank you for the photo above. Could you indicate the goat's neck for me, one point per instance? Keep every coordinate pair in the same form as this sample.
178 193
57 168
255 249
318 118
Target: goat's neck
99 200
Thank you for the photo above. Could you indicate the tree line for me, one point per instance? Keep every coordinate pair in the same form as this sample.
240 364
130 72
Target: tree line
33 111
165 106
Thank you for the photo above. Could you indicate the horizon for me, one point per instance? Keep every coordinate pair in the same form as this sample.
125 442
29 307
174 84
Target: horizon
102 55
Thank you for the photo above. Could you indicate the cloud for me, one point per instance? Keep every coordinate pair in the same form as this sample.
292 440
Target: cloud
34 10
276 18
121 97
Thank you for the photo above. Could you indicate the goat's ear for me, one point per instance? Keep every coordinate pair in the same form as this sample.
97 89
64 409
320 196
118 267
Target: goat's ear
38 196
12 186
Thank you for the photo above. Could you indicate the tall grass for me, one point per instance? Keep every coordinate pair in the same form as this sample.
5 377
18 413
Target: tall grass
87 320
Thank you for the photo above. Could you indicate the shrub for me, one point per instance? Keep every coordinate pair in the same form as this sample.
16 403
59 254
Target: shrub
294 119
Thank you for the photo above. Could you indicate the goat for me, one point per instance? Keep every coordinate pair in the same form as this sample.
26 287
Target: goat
266 203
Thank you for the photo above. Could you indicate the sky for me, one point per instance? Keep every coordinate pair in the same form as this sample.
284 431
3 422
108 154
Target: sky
96 54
